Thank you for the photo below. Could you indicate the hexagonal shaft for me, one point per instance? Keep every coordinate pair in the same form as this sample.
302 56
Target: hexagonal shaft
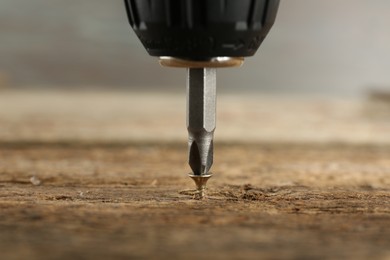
201 110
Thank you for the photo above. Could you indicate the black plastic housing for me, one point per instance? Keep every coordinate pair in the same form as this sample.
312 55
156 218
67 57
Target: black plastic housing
201 29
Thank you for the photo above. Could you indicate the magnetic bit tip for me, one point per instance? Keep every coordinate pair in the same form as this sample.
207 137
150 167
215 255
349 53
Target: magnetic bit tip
201 154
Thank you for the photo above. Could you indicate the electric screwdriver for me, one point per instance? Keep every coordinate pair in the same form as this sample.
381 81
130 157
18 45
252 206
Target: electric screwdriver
201 35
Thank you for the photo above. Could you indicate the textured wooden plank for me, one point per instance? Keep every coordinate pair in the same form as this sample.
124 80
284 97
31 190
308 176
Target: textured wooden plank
126 200
103 175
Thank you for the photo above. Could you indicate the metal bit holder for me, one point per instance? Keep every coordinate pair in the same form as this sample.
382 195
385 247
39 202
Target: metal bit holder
215 62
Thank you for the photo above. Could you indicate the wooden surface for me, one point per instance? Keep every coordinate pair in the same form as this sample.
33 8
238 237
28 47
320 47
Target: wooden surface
65 197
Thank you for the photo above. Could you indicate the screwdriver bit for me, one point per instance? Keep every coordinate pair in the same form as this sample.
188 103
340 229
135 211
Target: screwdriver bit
201 109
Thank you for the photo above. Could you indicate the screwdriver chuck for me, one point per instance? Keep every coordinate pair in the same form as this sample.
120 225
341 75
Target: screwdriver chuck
201 29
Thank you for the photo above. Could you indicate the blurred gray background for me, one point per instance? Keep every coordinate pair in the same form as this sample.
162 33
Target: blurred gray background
338 48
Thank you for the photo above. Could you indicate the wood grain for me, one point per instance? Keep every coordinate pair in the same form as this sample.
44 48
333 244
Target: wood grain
126 201
96 177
